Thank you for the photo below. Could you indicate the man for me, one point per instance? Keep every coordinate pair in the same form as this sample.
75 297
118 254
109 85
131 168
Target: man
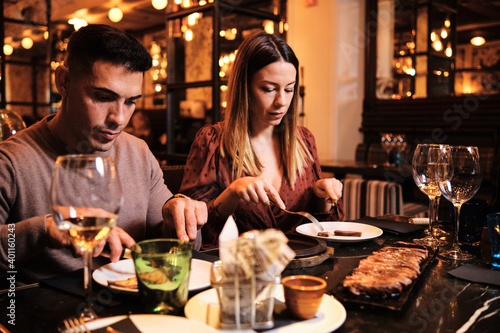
100 82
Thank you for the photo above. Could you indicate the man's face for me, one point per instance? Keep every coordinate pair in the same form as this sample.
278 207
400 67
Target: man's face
100 105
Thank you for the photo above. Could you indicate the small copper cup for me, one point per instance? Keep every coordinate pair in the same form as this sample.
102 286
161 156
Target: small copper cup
303 294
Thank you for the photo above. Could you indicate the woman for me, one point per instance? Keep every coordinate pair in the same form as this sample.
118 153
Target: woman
258 153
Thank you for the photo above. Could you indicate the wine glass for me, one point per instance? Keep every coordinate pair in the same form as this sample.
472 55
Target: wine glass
399 142
387 143
86 197
424 168
459 181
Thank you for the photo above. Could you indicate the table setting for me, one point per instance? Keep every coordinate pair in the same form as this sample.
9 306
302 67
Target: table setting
382 271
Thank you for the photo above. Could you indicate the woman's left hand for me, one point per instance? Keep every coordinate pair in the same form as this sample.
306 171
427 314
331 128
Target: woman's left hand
328 188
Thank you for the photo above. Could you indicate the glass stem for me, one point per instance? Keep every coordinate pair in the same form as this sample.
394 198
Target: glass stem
456 207
432 214
87 276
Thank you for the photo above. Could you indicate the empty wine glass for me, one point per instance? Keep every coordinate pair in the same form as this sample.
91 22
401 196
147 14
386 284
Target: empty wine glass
399 143
387 143
459 181
85 198
424 167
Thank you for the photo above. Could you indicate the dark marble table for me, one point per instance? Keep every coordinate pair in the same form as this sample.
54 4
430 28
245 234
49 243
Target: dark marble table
438 303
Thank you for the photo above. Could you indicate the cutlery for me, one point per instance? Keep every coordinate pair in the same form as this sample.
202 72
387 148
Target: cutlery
74 325
304 214
334 206
18 288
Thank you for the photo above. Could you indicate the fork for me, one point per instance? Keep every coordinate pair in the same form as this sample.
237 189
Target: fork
75 325
304 214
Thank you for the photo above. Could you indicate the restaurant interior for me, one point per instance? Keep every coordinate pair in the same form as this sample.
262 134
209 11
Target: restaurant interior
425 71
377 78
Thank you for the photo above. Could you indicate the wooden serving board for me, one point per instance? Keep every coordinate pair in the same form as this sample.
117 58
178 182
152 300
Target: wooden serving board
312 260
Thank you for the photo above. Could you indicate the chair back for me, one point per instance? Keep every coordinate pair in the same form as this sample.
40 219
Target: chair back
172 175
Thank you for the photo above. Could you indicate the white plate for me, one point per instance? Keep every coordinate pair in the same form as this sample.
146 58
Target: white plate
204 307
154 323
367 231
199 277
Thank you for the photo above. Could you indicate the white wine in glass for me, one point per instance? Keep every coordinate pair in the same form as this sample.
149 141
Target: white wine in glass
458 183
86 197
425 164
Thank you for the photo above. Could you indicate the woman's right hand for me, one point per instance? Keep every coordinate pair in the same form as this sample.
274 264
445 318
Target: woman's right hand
249 189
257 190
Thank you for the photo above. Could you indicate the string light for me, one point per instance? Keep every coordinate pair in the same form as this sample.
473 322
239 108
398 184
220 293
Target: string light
448 52
477 41
438 46
115 14
77 23
8 49
27 43
444 33
159 4
268 26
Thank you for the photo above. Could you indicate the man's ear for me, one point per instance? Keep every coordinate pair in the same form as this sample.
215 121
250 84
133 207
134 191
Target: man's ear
62 80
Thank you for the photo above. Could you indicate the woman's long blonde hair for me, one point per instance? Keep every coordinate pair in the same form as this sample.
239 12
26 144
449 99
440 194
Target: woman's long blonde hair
256 52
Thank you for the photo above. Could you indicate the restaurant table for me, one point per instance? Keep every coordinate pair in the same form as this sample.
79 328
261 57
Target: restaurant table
438 302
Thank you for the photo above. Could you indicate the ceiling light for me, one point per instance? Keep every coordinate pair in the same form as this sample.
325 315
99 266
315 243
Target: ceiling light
115 14
477 41
27 43
159 4
8 49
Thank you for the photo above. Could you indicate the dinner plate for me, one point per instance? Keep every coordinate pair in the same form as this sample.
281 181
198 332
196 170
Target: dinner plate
154 323
204 308
367 231
199 277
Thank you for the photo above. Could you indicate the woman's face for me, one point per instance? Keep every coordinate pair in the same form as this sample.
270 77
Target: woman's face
271 92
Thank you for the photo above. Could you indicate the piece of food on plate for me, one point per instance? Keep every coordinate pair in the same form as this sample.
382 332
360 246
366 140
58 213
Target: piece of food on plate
324 234
386 272
155 277
347 233
130 283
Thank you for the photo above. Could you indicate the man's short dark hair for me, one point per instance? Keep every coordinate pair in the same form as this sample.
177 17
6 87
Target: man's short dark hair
102 42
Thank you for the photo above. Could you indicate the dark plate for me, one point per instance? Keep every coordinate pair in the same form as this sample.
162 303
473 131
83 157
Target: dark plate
396 302
305 246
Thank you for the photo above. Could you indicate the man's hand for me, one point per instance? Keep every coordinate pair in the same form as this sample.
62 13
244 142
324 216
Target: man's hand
58 239
187 216
116 239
